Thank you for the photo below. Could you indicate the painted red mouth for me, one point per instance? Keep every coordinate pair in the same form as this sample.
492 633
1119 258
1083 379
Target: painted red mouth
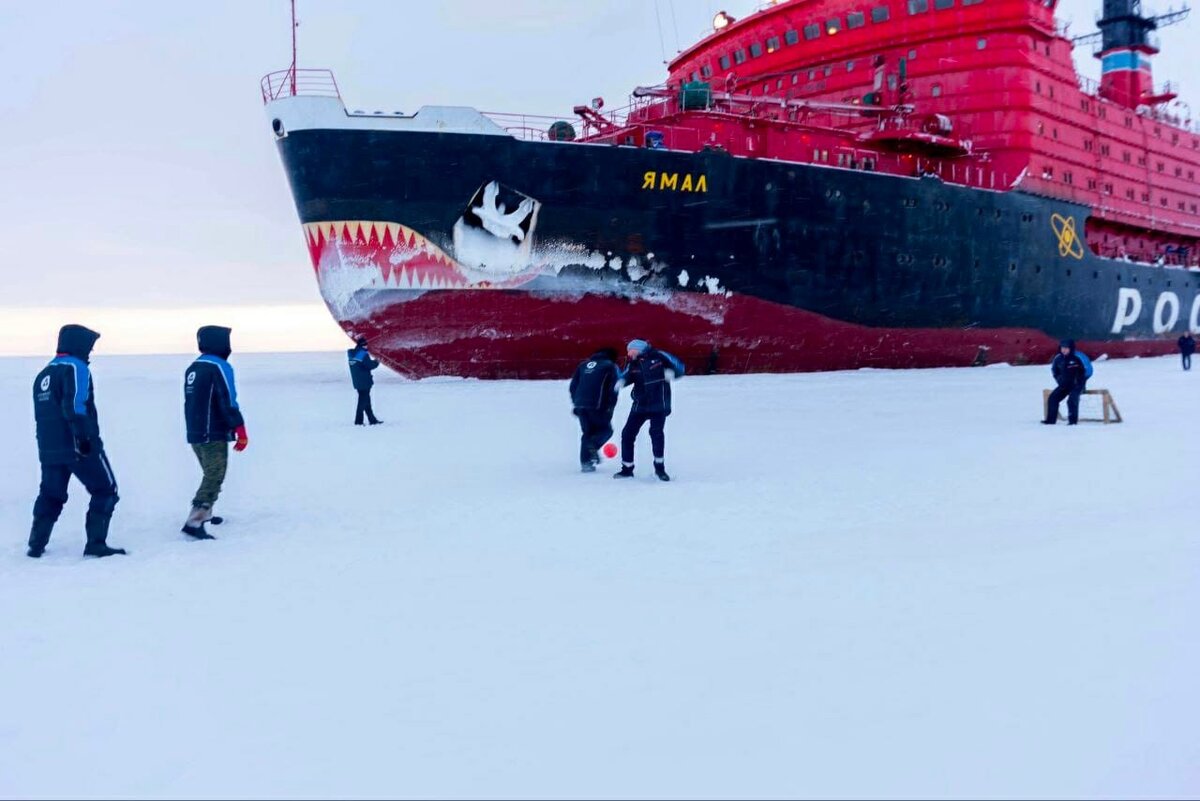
399 257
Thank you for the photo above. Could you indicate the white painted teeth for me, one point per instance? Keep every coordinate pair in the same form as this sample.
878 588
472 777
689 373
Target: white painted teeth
356 230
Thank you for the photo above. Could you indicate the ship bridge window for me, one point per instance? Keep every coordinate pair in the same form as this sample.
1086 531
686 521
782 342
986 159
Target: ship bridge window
828 71
1141 161
725 62
936 91
792 37
918 6
942 5
1161 166
1129 194
706 70
1179 172
772 44
812 31
739 56
855 19
1125 157
880 14
812 75
833 26
980 44
756 49
1145 197
850 68
971 2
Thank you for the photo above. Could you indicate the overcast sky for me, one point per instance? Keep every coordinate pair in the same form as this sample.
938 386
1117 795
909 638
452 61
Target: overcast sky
137 165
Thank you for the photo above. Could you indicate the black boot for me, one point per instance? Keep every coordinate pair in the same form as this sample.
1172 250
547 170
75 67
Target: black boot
587 467
626 471
660 470
39 536
194 525
96 527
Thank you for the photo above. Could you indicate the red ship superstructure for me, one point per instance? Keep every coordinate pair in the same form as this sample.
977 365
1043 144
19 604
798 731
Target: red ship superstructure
1001 106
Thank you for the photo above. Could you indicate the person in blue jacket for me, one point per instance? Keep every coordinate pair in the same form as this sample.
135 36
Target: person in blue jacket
1071 370
650 372
594 396
69 444
214 419
361 367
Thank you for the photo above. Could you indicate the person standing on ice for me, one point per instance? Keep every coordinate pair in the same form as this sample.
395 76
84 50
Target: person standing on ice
650 372
594 395
1187 346
361 366
1071 370
68 440
214 419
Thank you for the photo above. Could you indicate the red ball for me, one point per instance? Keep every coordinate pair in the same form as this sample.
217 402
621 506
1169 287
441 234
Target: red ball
610 450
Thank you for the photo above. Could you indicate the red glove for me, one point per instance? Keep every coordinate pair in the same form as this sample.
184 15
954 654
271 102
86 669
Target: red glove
243 439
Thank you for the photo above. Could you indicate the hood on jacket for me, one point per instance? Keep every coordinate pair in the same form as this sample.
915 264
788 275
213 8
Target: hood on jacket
214 340
77 341
1067 343
606 353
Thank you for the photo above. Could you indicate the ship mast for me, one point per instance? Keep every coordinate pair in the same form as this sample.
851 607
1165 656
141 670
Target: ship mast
293 69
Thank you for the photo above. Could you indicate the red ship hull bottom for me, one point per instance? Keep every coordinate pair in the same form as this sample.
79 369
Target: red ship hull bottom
522 334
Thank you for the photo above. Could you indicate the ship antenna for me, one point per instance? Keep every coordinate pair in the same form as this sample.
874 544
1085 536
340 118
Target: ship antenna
675 25
293 70
662 45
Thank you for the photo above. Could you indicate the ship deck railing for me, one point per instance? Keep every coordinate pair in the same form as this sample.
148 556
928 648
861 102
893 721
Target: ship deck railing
294 82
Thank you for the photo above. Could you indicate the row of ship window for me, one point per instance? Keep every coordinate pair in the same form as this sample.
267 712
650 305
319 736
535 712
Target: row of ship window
813 30
1130 194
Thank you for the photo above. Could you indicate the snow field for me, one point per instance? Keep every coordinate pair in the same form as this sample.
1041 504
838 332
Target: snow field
872 583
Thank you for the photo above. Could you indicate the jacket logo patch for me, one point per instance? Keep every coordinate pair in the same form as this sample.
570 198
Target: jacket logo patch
191 378
45 383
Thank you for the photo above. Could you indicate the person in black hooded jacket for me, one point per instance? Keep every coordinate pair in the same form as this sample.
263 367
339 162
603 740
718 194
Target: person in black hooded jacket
594 396
650 372
68 439
361 367
214 419
1071 369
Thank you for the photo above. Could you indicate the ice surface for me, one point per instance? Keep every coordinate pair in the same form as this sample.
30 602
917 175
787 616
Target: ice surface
870 583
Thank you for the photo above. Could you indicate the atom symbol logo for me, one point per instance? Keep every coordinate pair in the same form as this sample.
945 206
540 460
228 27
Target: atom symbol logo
1069 243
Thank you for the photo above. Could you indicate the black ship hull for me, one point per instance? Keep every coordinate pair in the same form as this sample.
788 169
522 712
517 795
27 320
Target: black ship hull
484 255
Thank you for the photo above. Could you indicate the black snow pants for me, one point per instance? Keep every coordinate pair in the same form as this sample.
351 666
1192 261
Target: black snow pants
596 429
1072 395
633 426
364 407
96 475
1187 360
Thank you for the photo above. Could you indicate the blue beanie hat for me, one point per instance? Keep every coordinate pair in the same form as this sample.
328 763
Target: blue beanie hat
640 345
